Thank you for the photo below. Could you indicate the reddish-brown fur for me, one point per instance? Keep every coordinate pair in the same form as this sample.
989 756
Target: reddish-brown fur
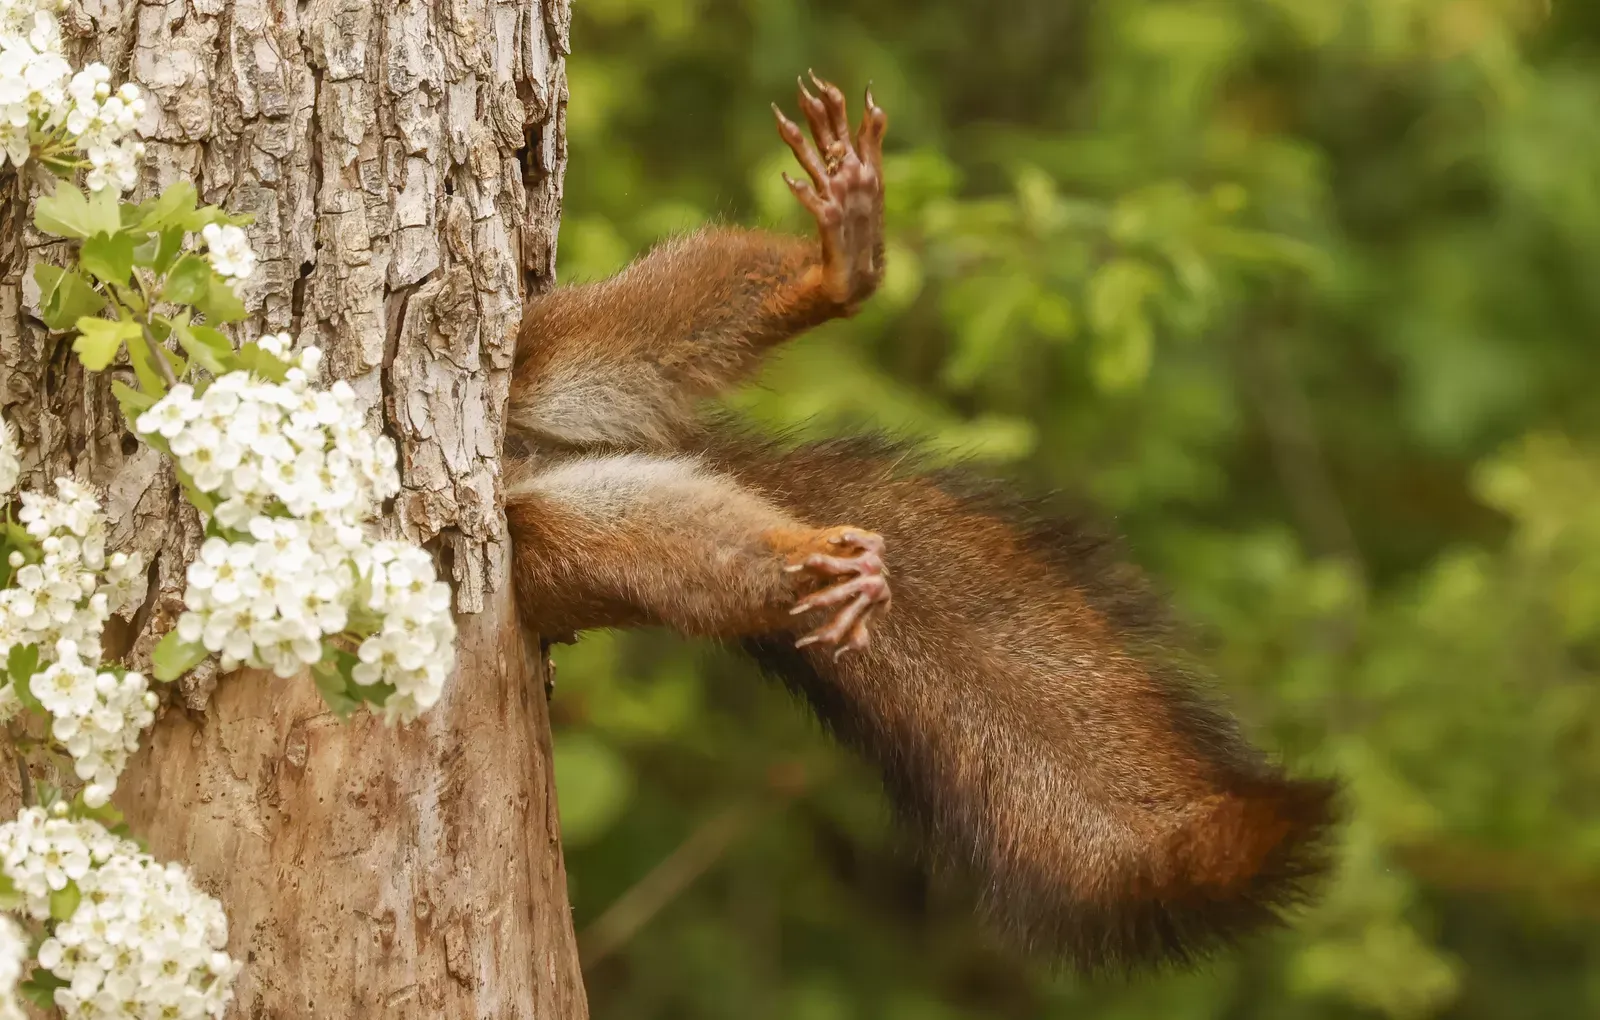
1019 700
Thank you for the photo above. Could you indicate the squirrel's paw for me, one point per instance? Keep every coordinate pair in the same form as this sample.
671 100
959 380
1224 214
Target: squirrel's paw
845 194
852 560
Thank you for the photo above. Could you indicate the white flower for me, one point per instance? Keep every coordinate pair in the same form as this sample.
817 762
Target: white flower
275 344
143 941
10 458
60 605
125 582
66 686
229 250
43 102
169 417
63 594
102 126
13 953
298 476
96 716
414 649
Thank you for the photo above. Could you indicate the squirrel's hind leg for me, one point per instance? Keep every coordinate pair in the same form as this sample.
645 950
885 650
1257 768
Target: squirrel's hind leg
630 539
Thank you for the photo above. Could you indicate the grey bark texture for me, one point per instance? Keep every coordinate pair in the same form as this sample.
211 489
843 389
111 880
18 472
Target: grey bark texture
404 162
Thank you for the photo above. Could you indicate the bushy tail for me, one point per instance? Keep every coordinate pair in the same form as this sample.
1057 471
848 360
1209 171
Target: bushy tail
1082 882
1031 730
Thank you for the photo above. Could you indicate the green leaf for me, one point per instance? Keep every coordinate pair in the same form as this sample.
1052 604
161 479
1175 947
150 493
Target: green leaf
48 278
144 366
65 296
179 365
174 657
108 257
332 677
1117 300
64 901
106 814
69 213
159 250
22 661
373 694
1122 360
214 340
214 529
220 303
202 502
10 899
40 988
268 366
169 210
133 402
29 700
197 220
189 281
207 347
20 541
21 664
335 678
100 339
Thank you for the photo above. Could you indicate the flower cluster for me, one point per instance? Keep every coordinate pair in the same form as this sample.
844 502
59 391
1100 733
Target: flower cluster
10 458
229 250
414 647
97 716
268 603
59 605
101 121
255 445
23 17
297 474
73 588
13 953
46 109
143 941
33 77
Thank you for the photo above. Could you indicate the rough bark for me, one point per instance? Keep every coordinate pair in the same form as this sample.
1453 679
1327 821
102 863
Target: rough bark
404 162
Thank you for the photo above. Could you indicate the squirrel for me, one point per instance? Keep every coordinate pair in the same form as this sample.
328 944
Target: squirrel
1031 726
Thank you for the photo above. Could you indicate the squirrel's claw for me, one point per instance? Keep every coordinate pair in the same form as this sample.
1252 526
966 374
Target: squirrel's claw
857 599
803 151
845 194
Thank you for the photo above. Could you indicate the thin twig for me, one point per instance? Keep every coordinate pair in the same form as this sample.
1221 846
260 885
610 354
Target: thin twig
634 908
694 857
160 357
1297 452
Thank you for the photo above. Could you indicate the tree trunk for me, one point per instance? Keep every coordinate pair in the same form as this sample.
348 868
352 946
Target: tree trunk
404 162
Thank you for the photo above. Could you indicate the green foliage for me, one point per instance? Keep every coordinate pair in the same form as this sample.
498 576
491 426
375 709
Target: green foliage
21 665
40 988
68 212
64 296
172 657
99 340
1299 292
335 678
131 262
64 902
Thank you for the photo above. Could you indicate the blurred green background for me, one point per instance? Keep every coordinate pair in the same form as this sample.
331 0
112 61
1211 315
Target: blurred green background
1302 294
